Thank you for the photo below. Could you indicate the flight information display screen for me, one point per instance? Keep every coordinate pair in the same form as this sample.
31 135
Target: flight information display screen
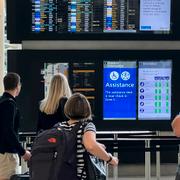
154 86
93 19
119 92
81 77
67 16
101 16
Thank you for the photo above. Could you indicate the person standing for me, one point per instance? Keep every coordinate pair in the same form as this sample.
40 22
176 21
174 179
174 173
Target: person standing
78 109
51 110
176 130
10 146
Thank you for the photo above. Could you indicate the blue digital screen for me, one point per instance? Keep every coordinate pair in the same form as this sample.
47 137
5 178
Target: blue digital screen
119 93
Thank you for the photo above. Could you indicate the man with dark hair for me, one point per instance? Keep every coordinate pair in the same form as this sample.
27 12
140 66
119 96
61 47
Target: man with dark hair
10 146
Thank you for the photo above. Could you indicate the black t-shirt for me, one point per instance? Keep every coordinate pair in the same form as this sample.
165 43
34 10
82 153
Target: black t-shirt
47 121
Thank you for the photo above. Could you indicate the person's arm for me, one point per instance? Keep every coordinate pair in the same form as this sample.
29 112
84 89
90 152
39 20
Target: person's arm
11 137
176 125
96 149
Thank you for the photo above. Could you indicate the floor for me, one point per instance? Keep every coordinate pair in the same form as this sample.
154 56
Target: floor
142 178
136 172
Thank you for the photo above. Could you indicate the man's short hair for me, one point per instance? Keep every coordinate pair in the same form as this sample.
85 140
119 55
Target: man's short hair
11 81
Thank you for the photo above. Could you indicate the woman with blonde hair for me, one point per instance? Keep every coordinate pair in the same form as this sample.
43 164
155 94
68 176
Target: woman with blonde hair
51 109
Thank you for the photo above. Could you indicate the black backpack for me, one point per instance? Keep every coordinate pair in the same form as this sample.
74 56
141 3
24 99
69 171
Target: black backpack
54 154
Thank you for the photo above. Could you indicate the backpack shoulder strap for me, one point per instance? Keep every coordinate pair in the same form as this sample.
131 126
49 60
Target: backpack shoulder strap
76 127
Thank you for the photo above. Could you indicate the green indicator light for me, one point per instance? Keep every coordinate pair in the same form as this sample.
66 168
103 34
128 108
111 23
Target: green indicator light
167 110
159 110
159 84
156 91
159 104
155 97
159 91
155 104
167 91
159 97
156 84
167 104
155 110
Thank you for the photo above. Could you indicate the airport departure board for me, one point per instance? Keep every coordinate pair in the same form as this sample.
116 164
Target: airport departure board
92 19
127 90
80 75
130 16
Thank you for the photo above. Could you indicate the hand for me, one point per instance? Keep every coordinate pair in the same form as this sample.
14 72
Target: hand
27 156
114 161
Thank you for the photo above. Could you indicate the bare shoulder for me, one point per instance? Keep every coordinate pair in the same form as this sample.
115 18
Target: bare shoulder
176 121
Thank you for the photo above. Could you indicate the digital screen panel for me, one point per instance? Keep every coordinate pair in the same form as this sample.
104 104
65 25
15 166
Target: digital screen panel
154 89
97 16
83 76
121 16
49 70
81 79
119 92
93 19
67 16
155 15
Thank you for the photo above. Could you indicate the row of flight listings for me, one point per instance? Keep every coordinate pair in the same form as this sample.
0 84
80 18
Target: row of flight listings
127 86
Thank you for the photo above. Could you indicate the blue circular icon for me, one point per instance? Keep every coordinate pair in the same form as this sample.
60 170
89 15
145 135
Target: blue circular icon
141 97
141 90
141 103
141 84
114 75
125 75
141 110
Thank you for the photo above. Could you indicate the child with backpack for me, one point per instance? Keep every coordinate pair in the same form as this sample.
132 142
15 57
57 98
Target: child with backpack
76 109
63 146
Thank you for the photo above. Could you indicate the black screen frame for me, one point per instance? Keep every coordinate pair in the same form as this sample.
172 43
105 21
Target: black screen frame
32 93
19 27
